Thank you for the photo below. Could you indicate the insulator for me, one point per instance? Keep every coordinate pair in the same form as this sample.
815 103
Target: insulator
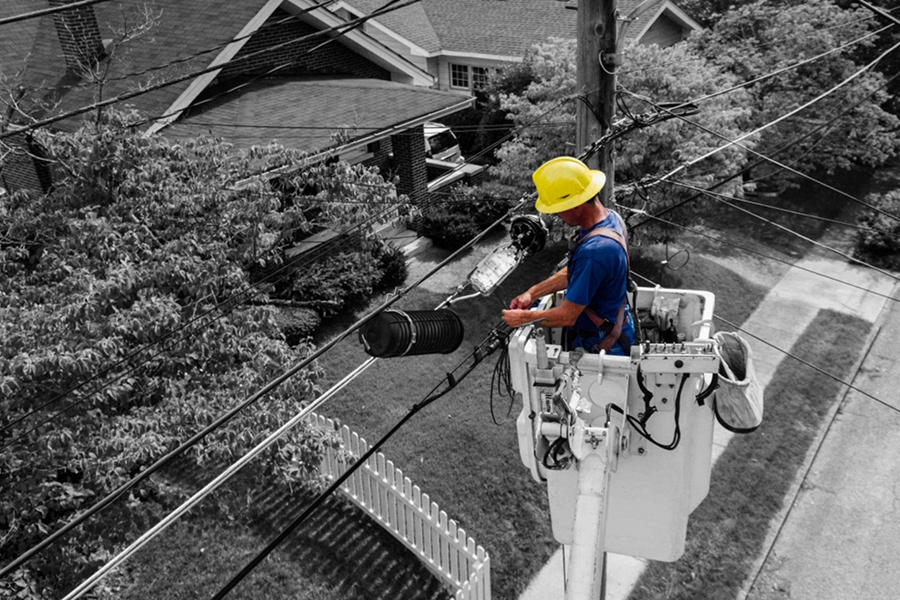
396 332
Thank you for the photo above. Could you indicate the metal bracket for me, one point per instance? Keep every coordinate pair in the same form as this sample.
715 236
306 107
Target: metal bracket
609 58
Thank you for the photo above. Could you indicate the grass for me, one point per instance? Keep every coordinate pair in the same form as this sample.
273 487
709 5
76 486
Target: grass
454 451
335 554
750 480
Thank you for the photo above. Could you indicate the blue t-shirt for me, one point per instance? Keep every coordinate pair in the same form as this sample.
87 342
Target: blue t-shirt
598 275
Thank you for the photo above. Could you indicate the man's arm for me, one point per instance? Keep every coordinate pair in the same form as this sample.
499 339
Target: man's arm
554 283
558 316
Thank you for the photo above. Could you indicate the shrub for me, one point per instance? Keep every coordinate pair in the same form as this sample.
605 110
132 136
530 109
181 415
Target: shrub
392 263
465 213
337 280
880 243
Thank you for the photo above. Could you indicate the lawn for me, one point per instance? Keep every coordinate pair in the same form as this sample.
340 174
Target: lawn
453 450
749 481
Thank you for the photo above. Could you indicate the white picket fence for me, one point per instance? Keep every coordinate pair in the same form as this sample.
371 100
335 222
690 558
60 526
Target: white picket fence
405 512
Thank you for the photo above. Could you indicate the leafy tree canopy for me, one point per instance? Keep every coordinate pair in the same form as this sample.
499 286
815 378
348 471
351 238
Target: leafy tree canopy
762 37
675 74
139 238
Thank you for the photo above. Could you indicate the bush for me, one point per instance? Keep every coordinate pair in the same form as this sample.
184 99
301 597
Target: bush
337 280
465 213
296 323
392 263
880 243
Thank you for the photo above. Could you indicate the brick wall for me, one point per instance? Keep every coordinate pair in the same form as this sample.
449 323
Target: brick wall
331 59
409 162
23 168
382 159
79 35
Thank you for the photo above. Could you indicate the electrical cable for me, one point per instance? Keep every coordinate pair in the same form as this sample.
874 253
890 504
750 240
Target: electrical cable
501 382
496 338
766 256
501 140
771 160
849 257
232 412
230 303
802 485
200 53
778 150
228 415
793 356
49 11
390 6
800 108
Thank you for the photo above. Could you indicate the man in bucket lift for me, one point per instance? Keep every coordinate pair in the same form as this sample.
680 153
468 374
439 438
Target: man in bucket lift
596 274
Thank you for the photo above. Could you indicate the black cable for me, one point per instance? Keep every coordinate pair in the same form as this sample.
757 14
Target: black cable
230 305
349 25
773 258
49 11
501 383
494 340
777 151
231 413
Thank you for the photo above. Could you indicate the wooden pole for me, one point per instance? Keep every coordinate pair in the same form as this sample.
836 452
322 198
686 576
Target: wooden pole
596 82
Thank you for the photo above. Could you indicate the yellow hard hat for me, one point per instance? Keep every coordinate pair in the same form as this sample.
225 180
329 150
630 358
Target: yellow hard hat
564 183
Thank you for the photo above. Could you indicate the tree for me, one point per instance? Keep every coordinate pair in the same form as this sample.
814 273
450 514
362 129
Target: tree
759 38
674 74
137 239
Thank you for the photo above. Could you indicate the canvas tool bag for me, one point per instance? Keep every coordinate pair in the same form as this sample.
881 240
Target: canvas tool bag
738 402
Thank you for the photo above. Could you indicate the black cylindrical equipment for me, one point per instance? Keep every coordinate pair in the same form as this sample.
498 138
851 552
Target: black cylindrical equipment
396 332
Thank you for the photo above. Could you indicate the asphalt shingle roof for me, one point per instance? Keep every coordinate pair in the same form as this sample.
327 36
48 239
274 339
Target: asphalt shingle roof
491 27
304 114
181 29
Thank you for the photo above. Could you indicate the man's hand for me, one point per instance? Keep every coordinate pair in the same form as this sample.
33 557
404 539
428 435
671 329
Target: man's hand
522 301
516 318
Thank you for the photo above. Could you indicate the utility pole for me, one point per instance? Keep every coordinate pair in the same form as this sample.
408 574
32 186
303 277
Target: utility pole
596 82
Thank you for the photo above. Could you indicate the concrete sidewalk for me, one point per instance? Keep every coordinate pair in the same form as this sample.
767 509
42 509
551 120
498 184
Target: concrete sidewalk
781 318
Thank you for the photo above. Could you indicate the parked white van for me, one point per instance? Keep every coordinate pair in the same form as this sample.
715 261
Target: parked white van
441 143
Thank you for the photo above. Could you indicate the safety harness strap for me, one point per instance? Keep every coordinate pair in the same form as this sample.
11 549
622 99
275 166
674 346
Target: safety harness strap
611 335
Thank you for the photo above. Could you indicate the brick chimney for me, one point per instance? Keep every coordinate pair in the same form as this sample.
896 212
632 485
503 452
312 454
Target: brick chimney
79 35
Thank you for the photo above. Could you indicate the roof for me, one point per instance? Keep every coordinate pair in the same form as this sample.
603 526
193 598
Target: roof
303 114
498 28
181 29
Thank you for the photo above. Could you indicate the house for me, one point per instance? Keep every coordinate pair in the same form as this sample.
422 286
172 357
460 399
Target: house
278 80
460 42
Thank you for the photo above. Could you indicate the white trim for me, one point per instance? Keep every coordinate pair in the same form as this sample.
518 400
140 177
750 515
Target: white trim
496 57
677 14
414 48
364 44
188 96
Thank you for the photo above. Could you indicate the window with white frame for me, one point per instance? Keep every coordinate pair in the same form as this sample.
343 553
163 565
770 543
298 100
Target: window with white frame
459 76
480 76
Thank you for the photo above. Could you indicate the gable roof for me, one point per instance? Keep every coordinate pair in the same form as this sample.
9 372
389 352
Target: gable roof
503 29
303 114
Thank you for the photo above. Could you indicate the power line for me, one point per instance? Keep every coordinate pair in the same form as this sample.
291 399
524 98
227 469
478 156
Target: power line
761 254
349 25
49 11
231 303
793 356
761 128
778 150
497 336
231 413
718 198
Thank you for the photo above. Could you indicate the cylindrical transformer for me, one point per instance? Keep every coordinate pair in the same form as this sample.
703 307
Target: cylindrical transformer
396 332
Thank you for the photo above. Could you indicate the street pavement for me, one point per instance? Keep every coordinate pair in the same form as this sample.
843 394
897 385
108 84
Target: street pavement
841 479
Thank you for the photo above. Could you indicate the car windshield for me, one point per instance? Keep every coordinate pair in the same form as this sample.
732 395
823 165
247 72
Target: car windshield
442 141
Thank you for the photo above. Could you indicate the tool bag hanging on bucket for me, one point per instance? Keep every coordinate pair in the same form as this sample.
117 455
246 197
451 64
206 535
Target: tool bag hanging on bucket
738 403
